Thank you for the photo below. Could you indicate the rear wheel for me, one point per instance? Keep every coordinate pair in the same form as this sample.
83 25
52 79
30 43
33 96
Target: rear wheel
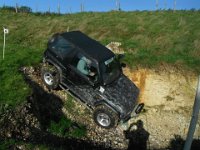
50 76
105 117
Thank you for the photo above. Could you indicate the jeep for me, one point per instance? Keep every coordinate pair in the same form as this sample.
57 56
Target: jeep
92 74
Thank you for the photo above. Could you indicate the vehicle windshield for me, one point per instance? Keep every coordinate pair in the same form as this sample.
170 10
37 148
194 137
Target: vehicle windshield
110 70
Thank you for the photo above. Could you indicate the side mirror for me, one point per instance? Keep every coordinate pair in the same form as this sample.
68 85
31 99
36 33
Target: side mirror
120 56
123 65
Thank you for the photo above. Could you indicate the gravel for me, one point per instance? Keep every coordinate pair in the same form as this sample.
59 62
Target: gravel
155 128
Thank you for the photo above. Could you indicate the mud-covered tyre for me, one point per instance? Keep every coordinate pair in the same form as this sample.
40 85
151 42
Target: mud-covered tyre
105 117
50 76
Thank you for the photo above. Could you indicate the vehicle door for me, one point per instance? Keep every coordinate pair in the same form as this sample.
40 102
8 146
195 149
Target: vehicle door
80 78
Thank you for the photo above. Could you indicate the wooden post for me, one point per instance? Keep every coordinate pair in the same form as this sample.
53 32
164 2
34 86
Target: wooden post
117 5
165 5
16 8
4 44
174 5
82 7
157 5
58 8
70 10
49 10
36 7
5 31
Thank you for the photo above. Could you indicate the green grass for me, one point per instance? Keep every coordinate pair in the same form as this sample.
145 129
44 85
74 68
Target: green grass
64 128
14 90
9 143
148 38
69 103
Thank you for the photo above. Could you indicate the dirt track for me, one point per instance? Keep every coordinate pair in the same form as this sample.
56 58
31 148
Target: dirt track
168 98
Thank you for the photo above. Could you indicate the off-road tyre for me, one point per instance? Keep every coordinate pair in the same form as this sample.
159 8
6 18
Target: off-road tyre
105 117
50 76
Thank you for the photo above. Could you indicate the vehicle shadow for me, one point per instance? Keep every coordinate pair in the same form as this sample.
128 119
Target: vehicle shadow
138 137
45 107
48 107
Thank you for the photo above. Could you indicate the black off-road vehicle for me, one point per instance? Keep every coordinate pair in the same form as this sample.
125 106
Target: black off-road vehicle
93 74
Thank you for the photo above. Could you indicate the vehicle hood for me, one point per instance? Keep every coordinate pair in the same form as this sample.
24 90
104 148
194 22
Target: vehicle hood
123 94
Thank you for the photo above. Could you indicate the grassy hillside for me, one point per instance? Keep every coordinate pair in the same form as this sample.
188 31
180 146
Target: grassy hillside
148 38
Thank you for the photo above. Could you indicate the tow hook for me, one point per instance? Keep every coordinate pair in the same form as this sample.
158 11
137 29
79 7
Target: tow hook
138 108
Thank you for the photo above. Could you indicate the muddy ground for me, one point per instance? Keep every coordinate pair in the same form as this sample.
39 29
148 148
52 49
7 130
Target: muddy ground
168 97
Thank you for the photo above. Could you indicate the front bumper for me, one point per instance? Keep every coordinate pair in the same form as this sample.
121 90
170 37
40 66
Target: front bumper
136 110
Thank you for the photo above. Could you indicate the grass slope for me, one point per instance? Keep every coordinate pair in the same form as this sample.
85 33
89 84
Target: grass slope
149 39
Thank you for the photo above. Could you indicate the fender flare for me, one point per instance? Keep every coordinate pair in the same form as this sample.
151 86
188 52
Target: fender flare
50 62
103 102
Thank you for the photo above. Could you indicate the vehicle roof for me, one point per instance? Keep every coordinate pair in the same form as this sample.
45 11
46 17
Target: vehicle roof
91 47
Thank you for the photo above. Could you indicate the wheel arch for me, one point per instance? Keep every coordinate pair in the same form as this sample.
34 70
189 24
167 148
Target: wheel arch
105 103
112 115
50 62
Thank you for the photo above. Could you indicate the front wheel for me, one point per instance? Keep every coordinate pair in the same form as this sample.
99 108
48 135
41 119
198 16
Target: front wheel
105 117
50 76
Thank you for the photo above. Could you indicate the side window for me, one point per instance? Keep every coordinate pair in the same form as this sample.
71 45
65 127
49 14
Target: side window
85 66
60 46
75 60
